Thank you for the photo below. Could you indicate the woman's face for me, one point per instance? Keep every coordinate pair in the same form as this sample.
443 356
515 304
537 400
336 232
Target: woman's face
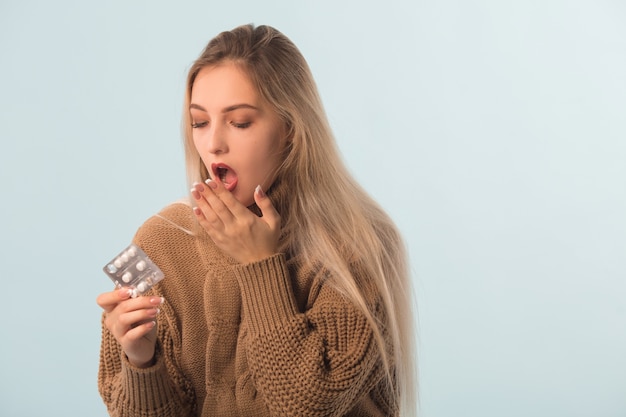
237 134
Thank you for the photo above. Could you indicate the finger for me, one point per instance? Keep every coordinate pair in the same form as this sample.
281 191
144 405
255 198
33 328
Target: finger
232 206
141 303
134 318
268 211
223 202
139 331
109 300
132 312
209 207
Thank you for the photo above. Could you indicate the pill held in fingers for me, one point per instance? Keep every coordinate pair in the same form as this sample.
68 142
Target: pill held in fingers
133 269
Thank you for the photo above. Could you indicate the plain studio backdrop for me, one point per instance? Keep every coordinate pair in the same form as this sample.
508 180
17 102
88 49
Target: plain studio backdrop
493 132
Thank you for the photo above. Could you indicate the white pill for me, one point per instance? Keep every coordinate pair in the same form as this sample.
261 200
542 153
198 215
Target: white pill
141 265
127 277
117 263
132 251
141 287
124 257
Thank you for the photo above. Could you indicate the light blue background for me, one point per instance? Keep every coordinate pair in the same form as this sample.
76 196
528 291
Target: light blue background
492 131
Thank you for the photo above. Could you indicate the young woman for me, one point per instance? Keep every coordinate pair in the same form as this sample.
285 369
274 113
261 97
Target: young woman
286 289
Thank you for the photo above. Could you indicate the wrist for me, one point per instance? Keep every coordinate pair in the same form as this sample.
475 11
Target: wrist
141 364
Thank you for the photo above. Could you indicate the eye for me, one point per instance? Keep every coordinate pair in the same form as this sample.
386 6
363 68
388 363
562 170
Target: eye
241 125
197 125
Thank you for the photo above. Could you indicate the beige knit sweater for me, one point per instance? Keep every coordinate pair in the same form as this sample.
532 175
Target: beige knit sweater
262 339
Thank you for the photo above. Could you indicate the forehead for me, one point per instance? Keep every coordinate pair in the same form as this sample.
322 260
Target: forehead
223 84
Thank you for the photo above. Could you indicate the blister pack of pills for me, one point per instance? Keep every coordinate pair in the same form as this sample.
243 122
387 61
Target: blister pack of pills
134 270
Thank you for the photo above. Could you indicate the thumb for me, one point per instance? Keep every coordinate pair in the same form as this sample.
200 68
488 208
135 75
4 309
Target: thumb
269 213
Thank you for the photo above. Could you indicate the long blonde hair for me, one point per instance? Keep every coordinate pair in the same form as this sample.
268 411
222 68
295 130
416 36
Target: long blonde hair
326 217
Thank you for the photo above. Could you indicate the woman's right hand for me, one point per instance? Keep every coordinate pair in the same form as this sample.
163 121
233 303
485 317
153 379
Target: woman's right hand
132 321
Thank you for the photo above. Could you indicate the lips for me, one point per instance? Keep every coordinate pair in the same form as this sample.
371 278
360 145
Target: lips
226 175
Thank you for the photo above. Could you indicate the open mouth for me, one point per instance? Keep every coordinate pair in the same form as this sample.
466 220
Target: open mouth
226 175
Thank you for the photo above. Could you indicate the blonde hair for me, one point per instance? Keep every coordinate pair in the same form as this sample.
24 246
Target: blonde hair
326 216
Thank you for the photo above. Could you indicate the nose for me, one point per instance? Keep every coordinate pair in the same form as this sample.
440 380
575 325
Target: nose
216 142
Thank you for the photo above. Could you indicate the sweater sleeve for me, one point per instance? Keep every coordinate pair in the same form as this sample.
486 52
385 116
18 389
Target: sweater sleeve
129 391
161 390
317 363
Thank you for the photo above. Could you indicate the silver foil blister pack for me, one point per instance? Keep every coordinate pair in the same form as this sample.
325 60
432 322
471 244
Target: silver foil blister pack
134 270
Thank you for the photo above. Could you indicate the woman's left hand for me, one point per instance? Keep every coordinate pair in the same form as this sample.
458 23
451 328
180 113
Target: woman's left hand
232 226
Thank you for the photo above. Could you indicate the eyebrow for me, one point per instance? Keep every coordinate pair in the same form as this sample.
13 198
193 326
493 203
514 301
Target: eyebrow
226 109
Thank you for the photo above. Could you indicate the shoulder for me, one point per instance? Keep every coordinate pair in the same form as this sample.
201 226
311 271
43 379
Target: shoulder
174 223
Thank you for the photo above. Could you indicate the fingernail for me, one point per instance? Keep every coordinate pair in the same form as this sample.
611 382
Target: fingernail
157 300
212 184
197 186
259 191
126 292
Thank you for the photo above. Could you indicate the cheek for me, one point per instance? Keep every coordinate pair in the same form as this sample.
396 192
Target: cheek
271 157
277 145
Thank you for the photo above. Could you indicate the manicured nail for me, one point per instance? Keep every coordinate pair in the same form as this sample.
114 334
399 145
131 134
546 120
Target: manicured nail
259 191
212 184
157 300
126 292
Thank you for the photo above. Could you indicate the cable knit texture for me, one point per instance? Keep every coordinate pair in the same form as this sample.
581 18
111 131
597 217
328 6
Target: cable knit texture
263 339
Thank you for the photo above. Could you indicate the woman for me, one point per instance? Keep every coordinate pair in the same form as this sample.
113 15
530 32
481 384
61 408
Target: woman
290 301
